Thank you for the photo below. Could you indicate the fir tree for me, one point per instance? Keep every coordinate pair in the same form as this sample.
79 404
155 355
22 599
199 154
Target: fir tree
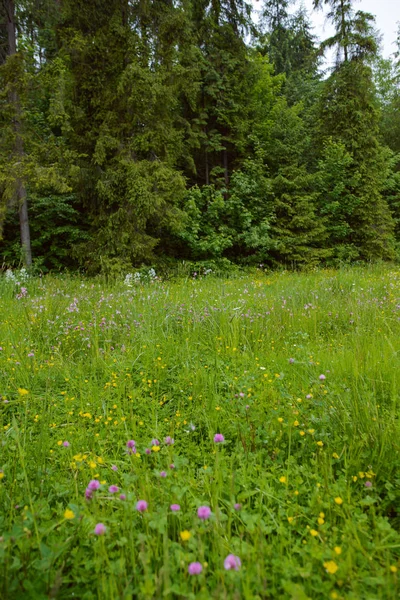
349 116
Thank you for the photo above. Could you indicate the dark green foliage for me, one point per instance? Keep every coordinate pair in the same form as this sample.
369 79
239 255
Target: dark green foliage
152 131
56 224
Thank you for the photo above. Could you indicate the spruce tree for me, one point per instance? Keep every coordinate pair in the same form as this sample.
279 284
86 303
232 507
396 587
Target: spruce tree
349 116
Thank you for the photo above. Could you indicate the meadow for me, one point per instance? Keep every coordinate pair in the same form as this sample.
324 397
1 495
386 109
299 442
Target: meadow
205 437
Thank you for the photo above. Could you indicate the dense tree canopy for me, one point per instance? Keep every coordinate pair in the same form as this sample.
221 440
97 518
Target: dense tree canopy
137 132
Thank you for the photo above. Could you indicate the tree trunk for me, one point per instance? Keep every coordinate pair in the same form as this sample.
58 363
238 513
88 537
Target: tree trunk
20 189
343 30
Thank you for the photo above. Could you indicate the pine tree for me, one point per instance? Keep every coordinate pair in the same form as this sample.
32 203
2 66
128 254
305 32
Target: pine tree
349 116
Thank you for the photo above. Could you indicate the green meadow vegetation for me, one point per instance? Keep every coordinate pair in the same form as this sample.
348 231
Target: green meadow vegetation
202 437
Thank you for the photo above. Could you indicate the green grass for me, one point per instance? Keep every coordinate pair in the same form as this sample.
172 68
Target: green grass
190 359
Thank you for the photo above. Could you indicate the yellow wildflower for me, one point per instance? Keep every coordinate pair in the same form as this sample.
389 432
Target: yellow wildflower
314 532
185 535
338 550
69 514
155 448
331 566
338 500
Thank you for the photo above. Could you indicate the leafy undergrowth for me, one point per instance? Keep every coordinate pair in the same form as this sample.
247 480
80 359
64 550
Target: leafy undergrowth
114 394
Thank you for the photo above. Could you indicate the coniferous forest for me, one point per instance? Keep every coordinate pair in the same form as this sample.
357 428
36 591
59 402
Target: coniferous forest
142 132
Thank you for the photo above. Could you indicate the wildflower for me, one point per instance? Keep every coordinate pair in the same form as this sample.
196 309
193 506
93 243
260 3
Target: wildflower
320 444
321 520
195 568
185 535
335 455
290 519
282 479
94 484
113 489
172 466
218 438
66 444
1 475
100 529
232 562
88 494
30 354
169 440
337 550
338 500
237 506
155 442
393 568
163 474
203 512
147 451
175 507
314 532
69 514
155 448
291 361
331 566
23 392
131 444
280 419
368 484
122 497
322 377
141 506
114 468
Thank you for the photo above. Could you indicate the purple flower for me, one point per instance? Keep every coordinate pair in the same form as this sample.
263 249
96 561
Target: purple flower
195 568
113 489
114 468
30 354
169 440
322 378
232 562
94 484
131 444
163 474
175 507
241 394
291 361
122 497
141 506
204 512
155 442
237 506
172 466
88 494
368 484
66 444
100 529
147 451
308 396
218 438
